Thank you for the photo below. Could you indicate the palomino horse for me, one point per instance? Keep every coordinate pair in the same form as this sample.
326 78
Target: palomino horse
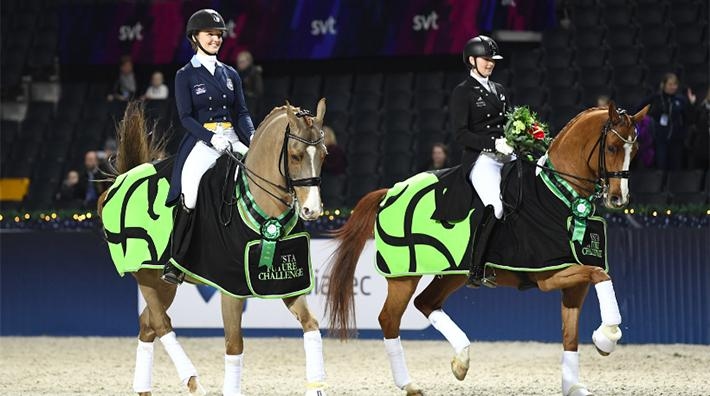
593 148
282 168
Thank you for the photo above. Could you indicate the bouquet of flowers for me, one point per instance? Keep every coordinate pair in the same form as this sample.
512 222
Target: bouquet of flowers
526 133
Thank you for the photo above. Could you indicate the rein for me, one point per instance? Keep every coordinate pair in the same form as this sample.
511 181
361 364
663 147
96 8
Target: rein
290 183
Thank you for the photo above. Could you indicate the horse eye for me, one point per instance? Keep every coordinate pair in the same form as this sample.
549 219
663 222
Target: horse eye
612 149
295 157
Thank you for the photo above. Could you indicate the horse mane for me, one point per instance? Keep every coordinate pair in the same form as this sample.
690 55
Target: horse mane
576 118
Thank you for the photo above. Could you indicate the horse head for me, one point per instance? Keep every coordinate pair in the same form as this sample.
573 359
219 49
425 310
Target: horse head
303 154
595 149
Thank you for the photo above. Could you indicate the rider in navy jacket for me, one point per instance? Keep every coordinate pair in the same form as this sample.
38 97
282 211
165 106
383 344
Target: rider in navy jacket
210 103
209 98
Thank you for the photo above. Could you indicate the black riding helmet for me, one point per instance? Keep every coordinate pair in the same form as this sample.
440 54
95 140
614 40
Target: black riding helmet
205 19
482 46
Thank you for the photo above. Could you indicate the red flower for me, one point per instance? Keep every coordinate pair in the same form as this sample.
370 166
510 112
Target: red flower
537 132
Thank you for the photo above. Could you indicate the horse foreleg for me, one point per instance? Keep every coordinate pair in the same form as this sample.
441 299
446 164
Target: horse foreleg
312 344
399 292
159 296
608 333
430 302
572 300
232 309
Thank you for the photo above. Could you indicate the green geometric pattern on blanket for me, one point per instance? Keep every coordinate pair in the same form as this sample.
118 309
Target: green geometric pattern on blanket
136 221
409 242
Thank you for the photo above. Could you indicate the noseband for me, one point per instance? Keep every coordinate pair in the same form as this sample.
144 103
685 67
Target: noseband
283 159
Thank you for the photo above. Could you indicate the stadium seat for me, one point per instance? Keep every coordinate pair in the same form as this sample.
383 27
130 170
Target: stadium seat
621 57
590 94
529 78
368 83
656 57
366 101
277 86
617 15
556 38
453 79
337 85
559 59
592 58
337 102
430 100
686 13
531 59
365 121
564 97
629 76
656 35
398 100
647 181
531 97
685 181
398 120
399 83
362 163
357 187
592 37
629 97
432 120
622 36
429 81
652 14
333 190
308 85
692 34
338 120
584 17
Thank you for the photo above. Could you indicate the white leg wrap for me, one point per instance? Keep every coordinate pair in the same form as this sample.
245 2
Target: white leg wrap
143 374
608 306
570 370
182 363
453 333
232 375
395 353
313 345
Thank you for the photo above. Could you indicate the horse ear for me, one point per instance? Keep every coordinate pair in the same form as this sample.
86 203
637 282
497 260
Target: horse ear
320 111
613 114
642 113
292 119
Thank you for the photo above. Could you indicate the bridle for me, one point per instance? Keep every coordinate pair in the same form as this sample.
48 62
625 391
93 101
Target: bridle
601 184
283 166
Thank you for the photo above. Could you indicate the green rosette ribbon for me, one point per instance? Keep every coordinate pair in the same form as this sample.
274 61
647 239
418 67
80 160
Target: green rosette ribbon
271 231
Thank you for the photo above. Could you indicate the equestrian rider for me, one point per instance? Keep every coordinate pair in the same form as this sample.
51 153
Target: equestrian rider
210 103
478 108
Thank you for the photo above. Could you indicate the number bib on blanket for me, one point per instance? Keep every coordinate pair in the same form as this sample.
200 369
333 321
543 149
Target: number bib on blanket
592 249
287 273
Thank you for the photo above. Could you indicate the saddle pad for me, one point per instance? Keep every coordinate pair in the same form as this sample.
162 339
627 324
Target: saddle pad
290 272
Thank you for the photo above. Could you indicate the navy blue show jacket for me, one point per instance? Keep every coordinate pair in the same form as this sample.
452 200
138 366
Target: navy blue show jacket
201 98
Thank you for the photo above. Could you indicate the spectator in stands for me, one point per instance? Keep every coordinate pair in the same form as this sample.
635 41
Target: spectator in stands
700 136
125 86
92 174
210 105
672 114
157 90
439 158
602 101
252 81
71 194
646 151
335 162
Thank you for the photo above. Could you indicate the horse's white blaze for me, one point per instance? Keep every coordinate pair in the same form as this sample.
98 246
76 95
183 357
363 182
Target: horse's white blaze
313 198
625 167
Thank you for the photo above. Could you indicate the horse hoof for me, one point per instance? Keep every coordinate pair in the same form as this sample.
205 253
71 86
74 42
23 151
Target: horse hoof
194 387
413 390
579 390
459 364
316 389
605 339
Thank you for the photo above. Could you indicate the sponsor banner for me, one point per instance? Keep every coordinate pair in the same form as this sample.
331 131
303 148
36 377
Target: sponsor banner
153 32
200 306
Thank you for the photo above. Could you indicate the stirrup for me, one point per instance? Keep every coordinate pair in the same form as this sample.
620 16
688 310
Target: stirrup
172 275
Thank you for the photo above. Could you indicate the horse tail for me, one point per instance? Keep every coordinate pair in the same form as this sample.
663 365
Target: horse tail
340 303
136 145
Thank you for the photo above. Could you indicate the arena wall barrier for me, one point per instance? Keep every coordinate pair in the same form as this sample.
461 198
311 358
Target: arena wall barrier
64 284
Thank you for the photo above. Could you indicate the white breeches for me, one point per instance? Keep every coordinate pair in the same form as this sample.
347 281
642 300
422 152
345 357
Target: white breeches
201 158
485 177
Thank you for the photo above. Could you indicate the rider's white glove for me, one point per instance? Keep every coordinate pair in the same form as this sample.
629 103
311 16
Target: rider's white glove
239 147
503 147
219 142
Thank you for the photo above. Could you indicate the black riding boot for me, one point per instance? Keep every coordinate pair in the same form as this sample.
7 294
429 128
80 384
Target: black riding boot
179 238
476 274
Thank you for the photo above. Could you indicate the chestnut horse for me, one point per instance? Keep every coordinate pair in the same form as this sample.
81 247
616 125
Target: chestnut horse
283 168
591 156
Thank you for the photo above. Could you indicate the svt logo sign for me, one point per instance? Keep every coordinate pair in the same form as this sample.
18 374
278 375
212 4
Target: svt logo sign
425 22
321 28
131 33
